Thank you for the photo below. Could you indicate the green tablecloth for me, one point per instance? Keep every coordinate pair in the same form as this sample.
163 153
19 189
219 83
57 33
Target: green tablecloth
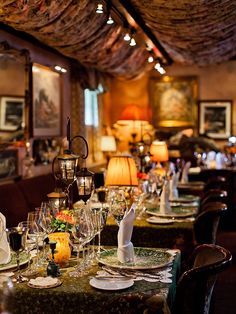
75 295
177 235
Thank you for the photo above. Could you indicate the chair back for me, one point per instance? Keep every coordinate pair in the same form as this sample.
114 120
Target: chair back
195 286
216 182
206 223
214 195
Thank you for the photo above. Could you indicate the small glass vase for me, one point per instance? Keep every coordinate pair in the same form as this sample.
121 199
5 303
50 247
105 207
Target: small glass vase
63 250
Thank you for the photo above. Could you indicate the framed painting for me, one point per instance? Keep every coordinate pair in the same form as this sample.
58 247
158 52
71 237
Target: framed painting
215 118
12 113
8 163
46 102
174 101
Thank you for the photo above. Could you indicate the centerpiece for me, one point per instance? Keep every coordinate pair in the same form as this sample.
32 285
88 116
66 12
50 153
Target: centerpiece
62 223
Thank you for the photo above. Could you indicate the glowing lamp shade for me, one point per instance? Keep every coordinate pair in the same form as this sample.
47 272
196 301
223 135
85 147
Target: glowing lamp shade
121 171
108 143
159 151
134 113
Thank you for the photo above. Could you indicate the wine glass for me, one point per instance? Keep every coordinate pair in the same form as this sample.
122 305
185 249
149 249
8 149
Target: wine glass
35 232
118 205
29 246
81 232
17 239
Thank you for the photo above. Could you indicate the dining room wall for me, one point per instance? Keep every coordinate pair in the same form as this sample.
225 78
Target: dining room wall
215 82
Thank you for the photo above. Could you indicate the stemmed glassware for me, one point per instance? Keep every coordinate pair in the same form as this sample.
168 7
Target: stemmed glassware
29 246
35 232
17 239
81 232
118 205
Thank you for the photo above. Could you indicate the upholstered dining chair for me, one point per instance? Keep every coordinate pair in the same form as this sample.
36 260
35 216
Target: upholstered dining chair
207 221
216 182
195 286
213 195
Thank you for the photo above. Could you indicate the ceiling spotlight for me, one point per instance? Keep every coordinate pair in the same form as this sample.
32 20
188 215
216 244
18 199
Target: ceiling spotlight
63 70
57 68
159 68
150 59
110 20
99 9
132 42
127 37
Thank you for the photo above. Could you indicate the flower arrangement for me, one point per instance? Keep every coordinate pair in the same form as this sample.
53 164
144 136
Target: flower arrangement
64 220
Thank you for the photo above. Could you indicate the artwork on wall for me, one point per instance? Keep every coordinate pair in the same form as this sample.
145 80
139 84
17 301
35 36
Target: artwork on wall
174 101
46 102
12 113
8 163
215 118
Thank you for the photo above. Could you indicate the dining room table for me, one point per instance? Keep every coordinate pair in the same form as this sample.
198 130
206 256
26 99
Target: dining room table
146 286
151 229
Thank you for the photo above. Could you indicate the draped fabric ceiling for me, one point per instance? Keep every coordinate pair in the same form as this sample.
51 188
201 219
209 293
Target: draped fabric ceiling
198 32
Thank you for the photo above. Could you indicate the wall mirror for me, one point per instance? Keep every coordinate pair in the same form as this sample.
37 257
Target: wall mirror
14 93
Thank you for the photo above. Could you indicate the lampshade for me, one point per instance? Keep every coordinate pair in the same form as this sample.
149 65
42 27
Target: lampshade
134 113
108 143
159 151
121 171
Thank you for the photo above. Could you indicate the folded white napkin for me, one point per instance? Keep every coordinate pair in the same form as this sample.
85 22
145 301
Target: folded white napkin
184 178
5 253
220 161
165 207
125 251
211 160
174 193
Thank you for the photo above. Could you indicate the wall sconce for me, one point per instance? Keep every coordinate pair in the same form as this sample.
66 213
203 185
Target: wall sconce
68 167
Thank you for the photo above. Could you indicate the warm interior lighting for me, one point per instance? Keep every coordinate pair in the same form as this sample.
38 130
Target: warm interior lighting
150 59
159 68
159 151
121 171
132 42
108 143
99 9
110 20
127 37
134 113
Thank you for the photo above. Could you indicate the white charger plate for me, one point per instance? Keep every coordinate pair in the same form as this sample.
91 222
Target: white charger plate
110 284
144 258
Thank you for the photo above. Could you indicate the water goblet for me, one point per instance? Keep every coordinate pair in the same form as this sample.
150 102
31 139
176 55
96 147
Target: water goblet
81 232
29 246
118 205
35 232
17 239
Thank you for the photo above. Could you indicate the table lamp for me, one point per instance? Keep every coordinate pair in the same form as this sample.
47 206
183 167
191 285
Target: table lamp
159 153
121 171
108 145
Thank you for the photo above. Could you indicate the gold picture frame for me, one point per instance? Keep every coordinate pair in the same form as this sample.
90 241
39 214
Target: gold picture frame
174 101
46 101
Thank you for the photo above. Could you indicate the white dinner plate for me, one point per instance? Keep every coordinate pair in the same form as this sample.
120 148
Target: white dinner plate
110 284
159 221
